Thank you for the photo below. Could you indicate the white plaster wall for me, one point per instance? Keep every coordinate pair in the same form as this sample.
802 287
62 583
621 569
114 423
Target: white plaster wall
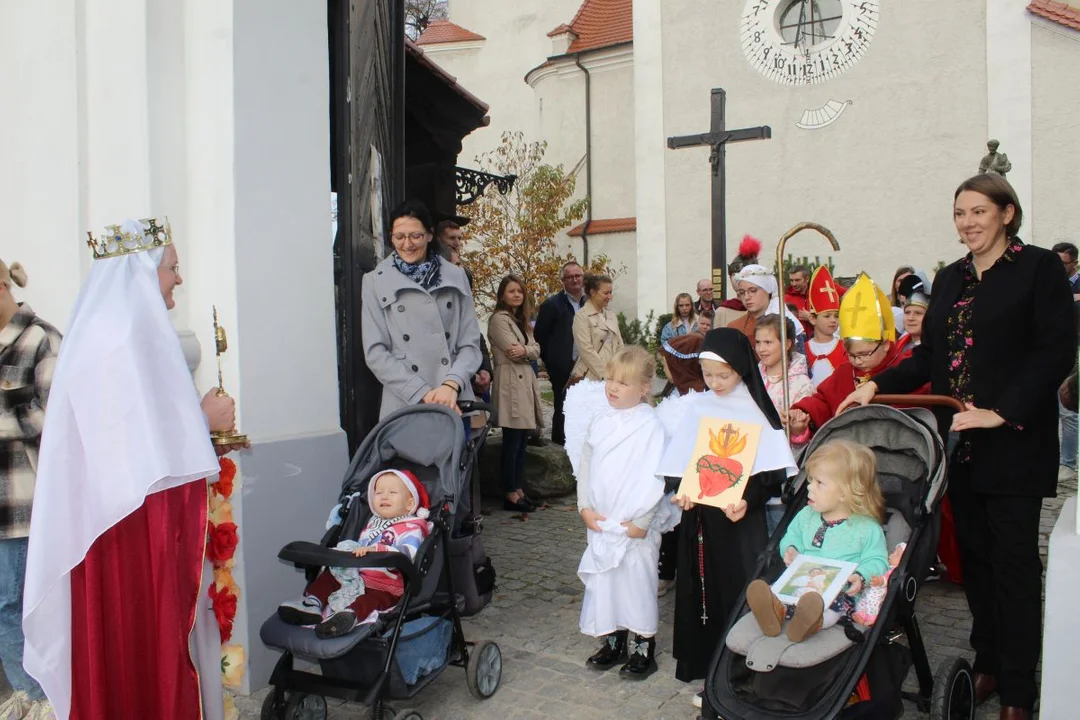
282 218
1055 132
515 42
881 177
614 193
39 153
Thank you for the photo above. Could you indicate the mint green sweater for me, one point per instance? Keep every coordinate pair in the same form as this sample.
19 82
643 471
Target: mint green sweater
859 539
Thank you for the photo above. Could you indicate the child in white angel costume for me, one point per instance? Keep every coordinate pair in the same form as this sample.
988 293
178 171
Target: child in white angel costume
615 442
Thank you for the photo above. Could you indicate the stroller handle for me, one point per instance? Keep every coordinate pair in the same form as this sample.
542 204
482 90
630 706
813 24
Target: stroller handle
468 406
926 401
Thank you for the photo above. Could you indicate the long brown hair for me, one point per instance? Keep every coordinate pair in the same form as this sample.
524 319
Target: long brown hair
520 314
676 319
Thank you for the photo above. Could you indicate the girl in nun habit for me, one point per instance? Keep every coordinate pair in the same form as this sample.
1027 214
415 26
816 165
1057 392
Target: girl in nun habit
719 548
619 495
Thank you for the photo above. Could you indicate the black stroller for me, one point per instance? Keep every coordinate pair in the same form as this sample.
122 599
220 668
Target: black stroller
853 671
395 657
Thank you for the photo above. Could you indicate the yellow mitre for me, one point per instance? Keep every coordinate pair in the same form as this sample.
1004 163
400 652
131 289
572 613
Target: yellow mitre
865 313
130 236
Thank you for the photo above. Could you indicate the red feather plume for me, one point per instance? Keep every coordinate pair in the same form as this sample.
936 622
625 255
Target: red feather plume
749 247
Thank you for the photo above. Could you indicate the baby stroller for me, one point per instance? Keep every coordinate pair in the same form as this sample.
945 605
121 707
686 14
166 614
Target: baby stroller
399 654
850 671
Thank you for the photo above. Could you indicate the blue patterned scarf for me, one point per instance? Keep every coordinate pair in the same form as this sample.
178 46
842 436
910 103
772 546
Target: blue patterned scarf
427 273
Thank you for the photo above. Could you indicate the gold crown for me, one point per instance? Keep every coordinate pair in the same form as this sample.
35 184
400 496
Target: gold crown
131 236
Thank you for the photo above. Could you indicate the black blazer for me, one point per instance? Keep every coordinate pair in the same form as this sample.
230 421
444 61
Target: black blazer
1022 319
554 331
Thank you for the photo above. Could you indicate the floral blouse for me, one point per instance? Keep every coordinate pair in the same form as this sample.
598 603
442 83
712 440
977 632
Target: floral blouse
961 337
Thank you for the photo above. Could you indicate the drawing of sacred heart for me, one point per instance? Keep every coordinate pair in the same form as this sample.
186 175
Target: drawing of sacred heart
721 462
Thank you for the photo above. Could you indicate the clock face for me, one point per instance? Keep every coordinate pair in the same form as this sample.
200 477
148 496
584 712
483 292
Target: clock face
806 42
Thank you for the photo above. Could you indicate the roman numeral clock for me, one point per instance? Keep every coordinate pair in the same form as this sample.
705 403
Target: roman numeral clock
806 42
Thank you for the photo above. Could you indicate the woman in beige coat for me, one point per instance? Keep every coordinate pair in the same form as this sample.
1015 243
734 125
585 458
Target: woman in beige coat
516 391
596 331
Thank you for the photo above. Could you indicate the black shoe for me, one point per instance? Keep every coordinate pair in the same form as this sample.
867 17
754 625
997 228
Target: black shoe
520 506
611 653
338 624
642 661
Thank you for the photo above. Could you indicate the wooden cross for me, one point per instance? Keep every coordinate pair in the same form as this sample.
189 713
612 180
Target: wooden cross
829 290
729 432
717 139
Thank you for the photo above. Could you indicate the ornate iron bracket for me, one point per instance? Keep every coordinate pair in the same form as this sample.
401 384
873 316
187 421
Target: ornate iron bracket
472 183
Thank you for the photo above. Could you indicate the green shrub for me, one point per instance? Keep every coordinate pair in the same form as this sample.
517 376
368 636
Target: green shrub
645 333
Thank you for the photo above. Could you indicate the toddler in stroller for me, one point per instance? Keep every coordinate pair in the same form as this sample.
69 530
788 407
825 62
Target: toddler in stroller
382 543
340 597
855 669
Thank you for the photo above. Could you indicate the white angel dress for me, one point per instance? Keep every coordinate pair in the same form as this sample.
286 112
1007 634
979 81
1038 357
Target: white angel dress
615 454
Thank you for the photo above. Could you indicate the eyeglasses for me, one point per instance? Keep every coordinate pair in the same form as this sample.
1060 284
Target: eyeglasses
865 355
414 236
568 278
175 268
745 293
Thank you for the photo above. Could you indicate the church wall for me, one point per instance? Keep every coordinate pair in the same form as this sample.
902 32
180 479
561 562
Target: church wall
621 249
881 176
1055 123
613 141
515 42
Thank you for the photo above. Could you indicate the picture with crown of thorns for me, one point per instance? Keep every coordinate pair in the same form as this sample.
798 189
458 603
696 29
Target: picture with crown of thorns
720 464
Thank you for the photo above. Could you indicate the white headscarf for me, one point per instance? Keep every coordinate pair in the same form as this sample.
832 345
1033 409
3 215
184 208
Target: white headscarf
763 277
123 421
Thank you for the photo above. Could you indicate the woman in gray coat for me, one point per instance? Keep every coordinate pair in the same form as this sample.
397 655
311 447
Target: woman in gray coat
420 334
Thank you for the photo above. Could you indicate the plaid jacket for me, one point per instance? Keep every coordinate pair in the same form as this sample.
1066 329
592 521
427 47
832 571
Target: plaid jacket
28 350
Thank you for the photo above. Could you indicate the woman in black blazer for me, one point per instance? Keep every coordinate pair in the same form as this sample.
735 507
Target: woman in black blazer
996 337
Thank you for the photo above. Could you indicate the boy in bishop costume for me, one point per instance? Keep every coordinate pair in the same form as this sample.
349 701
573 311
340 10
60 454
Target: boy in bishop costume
116 612
824 351
719 548
868 334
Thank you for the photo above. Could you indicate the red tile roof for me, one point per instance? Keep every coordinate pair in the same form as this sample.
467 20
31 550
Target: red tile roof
1059 12
599 24
444 31
603 227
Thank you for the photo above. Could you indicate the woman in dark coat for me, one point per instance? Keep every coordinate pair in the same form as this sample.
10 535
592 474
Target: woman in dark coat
994 338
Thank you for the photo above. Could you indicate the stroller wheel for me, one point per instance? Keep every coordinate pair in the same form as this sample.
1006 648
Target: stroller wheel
484 671
954 691
305 707
408 715
273 707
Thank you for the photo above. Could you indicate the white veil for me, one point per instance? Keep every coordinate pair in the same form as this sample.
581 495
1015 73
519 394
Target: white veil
123 421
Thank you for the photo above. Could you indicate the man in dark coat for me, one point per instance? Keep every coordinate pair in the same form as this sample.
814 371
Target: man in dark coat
555 332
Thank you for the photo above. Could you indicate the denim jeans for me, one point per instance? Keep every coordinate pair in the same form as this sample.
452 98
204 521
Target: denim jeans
1068 437
513 458
12 575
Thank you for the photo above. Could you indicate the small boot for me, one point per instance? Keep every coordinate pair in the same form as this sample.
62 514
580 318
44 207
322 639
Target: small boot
642 661
611 653
767 608
809 614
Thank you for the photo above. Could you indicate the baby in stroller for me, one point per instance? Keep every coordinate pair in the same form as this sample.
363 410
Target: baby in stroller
841 521
339 598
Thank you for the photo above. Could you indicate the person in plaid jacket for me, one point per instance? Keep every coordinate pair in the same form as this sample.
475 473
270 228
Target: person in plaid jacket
28 350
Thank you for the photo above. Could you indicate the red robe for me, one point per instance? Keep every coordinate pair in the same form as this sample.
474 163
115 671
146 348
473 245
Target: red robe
800 303
133 602
821 406
836 358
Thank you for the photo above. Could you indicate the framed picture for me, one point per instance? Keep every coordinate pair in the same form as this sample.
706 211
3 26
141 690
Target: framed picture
720 462
813 574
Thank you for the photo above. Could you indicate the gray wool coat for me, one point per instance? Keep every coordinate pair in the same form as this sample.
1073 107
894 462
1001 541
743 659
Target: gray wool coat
415 339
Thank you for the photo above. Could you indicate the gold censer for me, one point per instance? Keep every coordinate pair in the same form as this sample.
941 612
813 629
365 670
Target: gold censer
233 436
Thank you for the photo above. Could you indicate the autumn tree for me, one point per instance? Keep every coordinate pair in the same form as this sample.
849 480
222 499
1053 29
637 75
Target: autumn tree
515 233
420 13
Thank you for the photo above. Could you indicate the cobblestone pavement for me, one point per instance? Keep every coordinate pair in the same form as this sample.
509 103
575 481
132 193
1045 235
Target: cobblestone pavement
534 617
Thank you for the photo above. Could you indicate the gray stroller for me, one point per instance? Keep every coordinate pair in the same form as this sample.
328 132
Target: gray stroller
397 656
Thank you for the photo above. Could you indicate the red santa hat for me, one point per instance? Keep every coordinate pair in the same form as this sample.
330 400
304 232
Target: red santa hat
415 487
